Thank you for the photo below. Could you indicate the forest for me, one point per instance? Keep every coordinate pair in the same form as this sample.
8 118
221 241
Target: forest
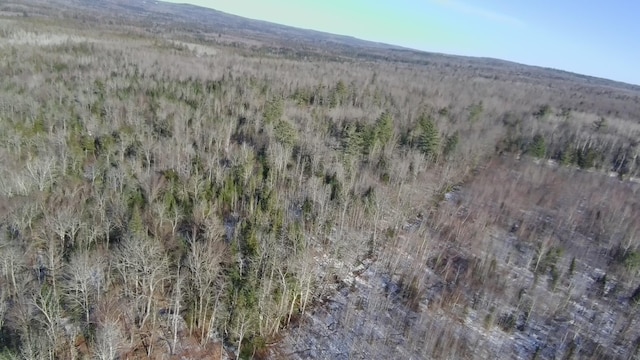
187 191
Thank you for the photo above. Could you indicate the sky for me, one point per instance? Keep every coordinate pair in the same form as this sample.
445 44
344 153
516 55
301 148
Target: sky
592 37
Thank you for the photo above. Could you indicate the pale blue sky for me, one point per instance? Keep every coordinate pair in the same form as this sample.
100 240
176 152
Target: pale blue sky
593 37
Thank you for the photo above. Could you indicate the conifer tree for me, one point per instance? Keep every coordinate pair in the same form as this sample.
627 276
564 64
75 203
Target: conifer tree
429 138
384 128
538 147
450 145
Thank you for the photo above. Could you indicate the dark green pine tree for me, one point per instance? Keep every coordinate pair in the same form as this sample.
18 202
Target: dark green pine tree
450 144
538 147
351 140
285 133
338 94
568 155
273 111
384 128
429 138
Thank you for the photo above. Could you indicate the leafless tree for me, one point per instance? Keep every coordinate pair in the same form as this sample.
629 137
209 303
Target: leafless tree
109 340
205 264
143 267
85 282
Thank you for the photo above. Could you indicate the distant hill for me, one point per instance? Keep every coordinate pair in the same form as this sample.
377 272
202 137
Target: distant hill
209 22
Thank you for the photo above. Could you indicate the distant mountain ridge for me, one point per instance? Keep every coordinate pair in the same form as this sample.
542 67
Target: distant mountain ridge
272 34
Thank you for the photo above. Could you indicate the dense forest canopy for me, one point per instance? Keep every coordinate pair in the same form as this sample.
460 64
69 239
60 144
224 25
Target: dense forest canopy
184 189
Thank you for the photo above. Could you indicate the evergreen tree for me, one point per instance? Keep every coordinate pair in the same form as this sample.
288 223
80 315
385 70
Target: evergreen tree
538 147
588 158
384 128
339 94
568 155
429 138
273 111
285 133
475 111
543 111
351 140
450 145
368 138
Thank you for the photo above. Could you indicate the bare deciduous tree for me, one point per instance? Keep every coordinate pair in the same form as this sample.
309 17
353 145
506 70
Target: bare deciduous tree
109 340
143 267
204 263
85 282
